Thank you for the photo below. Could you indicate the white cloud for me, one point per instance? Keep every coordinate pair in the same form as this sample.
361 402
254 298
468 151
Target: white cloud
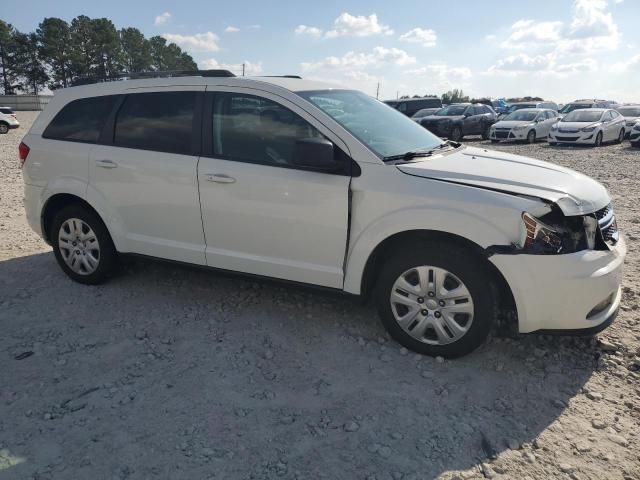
441 77
231 29
162 19
307 30
377 57
200 42
586 65
250 68
347 25
425 37
622 67
537 65
527 34
521 63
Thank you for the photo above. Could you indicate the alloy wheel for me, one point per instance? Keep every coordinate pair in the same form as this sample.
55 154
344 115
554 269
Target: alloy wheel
79 247
432 305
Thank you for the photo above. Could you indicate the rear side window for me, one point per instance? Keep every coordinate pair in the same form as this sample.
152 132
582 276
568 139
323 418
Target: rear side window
81 120
161 121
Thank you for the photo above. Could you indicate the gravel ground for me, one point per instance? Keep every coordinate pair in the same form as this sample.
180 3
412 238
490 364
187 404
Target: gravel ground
172 372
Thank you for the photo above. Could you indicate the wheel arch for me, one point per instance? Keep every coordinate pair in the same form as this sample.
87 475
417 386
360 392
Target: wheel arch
57 202
505 300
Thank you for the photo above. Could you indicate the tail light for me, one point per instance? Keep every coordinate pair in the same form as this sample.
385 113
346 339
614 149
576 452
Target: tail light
23 152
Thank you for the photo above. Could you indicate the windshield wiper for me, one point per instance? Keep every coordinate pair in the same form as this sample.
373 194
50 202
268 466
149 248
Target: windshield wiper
421 153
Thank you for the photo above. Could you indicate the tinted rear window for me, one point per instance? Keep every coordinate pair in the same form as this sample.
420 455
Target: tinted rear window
81 120
161 121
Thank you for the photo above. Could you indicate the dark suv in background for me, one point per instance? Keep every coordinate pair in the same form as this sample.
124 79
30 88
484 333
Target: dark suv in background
460 119
410 106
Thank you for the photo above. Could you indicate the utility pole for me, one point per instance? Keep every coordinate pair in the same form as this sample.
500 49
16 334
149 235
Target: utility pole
397 94
243 69
378 91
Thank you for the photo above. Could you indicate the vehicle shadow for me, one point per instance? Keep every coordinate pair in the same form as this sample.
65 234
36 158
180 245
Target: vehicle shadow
171 371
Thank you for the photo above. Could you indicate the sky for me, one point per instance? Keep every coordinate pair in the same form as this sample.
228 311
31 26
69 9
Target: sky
558 49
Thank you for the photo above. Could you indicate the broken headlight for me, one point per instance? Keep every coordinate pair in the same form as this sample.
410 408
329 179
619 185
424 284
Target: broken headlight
554 233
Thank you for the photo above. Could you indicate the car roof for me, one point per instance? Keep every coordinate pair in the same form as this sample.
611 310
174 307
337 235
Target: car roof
599 109
121 86
536 109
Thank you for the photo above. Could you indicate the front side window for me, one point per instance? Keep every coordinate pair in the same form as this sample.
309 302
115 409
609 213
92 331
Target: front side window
81 120
383 130
161 121
258 130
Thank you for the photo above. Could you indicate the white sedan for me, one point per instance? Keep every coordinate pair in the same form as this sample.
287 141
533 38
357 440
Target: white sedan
529 124
589 126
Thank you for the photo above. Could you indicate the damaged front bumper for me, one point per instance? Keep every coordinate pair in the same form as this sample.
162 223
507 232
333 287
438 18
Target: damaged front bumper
577 292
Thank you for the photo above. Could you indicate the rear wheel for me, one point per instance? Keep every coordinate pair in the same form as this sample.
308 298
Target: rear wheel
435 299
598 141
486 132
82 245
531 136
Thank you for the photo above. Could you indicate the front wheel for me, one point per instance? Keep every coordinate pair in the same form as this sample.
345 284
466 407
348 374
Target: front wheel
456 134
598 141
4 128
620 136
531 136
435 299
82 245
486 132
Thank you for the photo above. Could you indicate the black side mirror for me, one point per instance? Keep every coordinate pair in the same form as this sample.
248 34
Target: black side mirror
315 154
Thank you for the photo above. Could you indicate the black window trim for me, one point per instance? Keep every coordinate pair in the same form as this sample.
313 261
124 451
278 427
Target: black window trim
108 133
75 140
352 169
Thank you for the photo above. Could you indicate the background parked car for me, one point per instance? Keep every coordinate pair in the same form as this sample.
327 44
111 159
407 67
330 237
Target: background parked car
529 124
425 112
631 114
500 106
582 104
634 136
591 126
521 105
8 120
410 106
460 119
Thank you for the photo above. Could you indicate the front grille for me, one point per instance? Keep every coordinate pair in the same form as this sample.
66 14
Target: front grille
608 225
567 139
502 134
568 130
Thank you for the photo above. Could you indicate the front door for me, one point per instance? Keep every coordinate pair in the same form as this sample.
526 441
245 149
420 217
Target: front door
261 214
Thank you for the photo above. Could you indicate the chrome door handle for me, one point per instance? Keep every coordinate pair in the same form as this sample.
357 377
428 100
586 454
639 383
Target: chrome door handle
219 178
106 164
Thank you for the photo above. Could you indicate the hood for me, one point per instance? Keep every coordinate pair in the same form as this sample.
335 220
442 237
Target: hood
511 123
574 193
631 120
576 125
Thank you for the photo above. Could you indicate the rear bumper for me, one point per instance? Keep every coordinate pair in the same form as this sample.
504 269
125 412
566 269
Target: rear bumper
561 292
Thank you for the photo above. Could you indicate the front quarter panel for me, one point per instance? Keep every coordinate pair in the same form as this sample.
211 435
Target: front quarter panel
386 202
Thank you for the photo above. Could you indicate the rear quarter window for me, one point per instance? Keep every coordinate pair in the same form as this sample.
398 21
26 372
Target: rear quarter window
81 120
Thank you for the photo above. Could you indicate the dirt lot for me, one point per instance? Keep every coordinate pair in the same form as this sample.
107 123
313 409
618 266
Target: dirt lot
172 372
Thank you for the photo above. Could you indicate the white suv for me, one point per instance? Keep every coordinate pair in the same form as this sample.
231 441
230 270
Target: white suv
301 181
8 120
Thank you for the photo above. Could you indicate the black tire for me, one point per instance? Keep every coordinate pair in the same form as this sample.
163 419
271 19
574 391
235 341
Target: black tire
553 144
486 132
598 141
495 141
635 144
4 128
620 136
456 134
108 257
461 263
531 136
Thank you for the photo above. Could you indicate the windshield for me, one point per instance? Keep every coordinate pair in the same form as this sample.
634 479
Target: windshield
570 107
452 111
522 116
384 130
583 116
513 108
629 111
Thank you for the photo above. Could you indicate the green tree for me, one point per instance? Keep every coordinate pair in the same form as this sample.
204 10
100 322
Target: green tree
31 70
82 48
54 37
454 96
7 57
136 50
169 56
106 49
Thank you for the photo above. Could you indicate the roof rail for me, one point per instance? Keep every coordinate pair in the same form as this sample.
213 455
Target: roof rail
91 79
282 76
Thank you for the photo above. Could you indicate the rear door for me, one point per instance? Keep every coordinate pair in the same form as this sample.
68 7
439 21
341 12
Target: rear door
145 173
472 124
261 214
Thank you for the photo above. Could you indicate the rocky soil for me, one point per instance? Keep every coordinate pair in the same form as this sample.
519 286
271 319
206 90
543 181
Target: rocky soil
172 372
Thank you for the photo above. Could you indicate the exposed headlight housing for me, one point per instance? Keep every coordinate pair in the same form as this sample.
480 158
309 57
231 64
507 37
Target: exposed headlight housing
537 235
556 234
